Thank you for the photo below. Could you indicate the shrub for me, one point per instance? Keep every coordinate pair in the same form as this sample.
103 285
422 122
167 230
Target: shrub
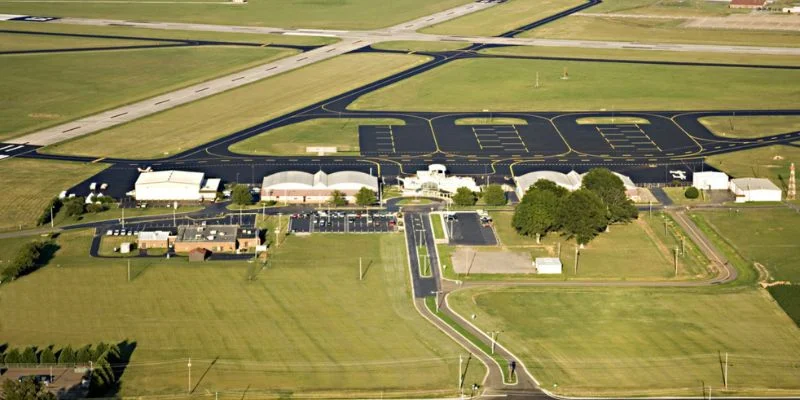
55 205
691 193
464 197
47 356
493 195
66 356
29 356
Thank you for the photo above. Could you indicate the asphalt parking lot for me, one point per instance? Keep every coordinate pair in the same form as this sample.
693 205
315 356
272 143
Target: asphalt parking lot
467 229
342 222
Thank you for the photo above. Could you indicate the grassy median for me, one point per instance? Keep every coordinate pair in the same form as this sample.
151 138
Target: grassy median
750 127
770 162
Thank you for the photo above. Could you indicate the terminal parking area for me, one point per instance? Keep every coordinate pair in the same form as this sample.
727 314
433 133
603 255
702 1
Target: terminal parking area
342 222
469 228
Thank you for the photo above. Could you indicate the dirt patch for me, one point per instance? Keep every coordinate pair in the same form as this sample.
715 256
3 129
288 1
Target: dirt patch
468 261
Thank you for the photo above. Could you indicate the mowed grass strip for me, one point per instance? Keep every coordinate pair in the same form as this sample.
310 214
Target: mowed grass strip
748 127
502 17
182 128
413 45
29 185
18 42
306 323
73 85
665 7
770 162
766 236
650 55
650 30
170 34
293 139
351 14
643 341
472 85
491 121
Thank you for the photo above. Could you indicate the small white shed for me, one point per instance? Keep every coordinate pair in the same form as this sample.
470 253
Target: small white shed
125 248
547 265
755 189
710 180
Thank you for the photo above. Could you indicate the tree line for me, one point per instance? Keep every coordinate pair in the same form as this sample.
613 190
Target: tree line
28 259
582 214
73 207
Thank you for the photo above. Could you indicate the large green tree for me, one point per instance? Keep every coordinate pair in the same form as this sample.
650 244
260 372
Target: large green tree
338 199
494 195
611 191
365 197
464 197
241 195
537 214
582 215
74 206
47 356
549 186
28 389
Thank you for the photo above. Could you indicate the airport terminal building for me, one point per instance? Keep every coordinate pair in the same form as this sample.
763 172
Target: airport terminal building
303 187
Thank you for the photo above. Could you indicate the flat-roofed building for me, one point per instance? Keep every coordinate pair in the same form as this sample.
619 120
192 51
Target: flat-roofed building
710 180
304 187
216 238
755 189
175 185
155 239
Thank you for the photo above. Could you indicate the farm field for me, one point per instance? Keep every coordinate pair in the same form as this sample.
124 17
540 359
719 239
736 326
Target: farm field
748 127
237 109
653 55
655 30
353 14
168 34
471 85
17 42
29 185
502 18
770 162
293 139
642 341
73 85
265 337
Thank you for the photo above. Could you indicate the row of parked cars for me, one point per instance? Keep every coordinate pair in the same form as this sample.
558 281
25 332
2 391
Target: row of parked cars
121 232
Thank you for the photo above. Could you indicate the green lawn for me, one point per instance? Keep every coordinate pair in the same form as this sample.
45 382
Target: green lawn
644 30
766 162
766 236
611 120
72 85
472 85
789 299
749 127
650 55
502 18
351 14
17 42
436 223
10 246
180 129
412 46
676 194
115 213
665 7
109 243
168 34
643 341
293 139
305 324
29 185
491 121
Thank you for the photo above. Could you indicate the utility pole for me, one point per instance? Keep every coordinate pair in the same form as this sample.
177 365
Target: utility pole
360 270
129 270
650 206
726 370
437 293
123 219
494 339
190 375
676 260
174 218
460 375
51 225
683 245
577 252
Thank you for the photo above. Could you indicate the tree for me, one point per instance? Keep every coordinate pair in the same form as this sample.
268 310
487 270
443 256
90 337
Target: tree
464 197
99 351
28 389
691 193
66 356
583 215
74 206
611 191
53 206
365 197
95 208
240 194
24 262
537 214
494 195
13 357
549 186
338 199
83 355
47 356
29 356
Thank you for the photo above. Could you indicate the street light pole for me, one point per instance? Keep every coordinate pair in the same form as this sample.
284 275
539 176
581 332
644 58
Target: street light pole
494 339
437 293
190 375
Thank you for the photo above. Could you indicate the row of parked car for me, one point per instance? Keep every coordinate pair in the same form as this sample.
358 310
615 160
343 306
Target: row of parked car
121 232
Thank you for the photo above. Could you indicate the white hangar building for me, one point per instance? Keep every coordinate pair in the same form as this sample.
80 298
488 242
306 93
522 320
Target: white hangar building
303 187
435 179
710 180
175 186
571 181
755 189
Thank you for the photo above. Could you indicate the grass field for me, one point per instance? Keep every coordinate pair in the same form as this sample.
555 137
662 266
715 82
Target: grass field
770 237
168 34
17 42
502 18
31 184
611 120
293 139
115 213
644 30
650 55
665 7
179 128
352 14
751 126
639 250
766 162
73 85
491 121
436 224
643 341
472 85
411 45
301 326
676 194
10 246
